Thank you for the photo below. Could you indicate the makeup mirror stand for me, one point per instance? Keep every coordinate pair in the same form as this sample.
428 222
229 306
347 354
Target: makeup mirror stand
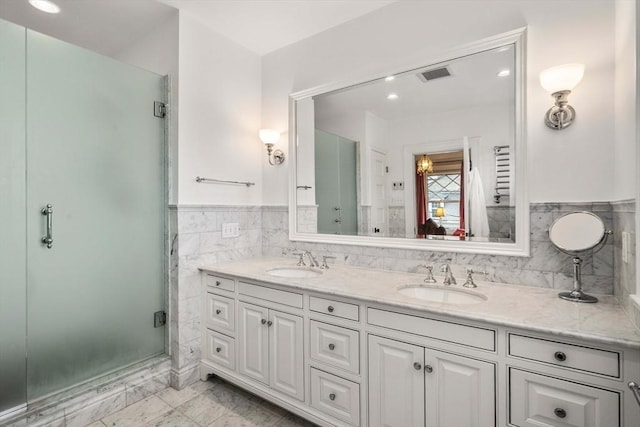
572 234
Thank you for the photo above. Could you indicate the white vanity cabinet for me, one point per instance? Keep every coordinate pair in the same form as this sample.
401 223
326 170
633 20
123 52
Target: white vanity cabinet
270 348
414 386
342 361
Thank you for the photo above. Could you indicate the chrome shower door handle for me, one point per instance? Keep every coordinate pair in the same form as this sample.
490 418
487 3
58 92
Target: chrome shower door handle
48 212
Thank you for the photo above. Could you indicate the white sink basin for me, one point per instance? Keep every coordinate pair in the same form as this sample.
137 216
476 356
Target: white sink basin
294 272
441 295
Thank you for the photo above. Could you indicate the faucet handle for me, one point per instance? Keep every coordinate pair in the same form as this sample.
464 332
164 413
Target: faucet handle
469 283
429 268
325 265
300 260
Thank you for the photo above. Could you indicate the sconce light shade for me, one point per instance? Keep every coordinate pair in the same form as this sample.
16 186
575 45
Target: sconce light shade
560 81
270 137
439 212
562 77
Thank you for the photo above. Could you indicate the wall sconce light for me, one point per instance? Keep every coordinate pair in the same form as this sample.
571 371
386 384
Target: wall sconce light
440 214
560 81
270 137
424 165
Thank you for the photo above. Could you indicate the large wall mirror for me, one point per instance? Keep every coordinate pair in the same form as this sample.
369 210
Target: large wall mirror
429 157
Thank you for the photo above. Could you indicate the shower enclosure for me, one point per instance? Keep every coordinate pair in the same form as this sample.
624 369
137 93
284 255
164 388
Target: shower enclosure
82 216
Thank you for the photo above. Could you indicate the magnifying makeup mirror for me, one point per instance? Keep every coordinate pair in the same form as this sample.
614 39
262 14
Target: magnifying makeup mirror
574 233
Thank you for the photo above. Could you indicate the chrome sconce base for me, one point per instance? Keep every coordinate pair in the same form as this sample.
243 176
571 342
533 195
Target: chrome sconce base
276 157
562 114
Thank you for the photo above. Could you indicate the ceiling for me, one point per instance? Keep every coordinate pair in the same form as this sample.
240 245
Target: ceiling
109 26
104 26
266 25
473 83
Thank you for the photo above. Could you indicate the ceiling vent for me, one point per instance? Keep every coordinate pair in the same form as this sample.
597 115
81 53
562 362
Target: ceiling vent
434 73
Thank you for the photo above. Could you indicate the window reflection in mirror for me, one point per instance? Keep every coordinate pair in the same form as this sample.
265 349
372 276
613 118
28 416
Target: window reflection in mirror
440 195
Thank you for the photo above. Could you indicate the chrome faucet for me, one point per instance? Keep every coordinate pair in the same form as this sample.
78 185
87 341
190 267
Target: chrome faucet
448 275
313 262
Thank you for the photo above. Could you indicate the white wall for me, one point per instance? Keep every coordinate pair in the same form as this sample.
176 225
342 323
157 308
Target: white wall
625 173
157 51
219 118
560 164
490 123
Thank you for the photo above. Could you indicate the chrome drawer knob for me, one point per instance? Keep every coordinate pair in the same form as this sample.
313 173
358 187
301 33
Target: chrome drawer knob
218 311
218 349
428 368
560 413
330 309
417 366
560 356
332 396
218 283
332 346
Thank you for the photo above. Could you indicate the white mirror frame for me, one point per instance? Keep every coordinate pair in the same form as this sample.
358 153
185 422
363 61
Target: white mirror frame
521 245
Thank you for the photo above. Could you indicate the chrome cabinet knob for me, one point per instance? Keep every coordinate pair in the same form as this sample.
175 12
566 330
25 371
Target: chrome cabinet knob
332 346
218 311
560 413
417 366
330 309
332 396
218 349
269 323
218 283
428 368
560 356
263 321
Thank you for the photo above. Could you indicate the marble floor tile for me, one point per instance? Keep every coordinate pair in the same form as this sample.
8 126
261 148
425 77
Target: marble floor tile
172 419
175 397
139 413
212 403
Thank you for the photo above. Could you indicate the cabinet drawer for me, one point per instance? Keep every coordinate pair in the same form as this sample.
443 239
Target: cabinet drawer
446 331
220 313
335 346
223 283
335 396
568 355
538 400
334 308
270 294
220 349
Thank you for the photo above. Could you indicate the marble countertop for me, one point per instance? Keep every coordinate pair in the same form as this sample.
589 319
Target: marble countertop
535 309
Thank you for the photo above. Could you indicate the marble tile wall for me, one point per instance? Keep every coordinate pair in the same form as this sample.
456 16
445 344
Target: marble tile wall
396 221
199 242
502 220
547 267
624 277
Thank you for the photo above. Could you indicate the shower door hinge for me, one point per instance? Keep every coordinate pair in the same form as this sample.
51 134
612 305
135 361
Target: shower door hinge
159 109
159 319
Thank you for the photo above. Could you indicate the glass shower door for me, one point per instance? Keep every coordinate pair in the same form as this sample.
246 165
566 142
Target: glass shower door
12 223
95 154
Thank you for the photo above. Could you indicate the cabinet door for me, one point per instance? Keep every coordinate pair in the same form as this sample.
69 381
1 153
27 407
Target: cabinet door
285 354
253 342
396 383
459 391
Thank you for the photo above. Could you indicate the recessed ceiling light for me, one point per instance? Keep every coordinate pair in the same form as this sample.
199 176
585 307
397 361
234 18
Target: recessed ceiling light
45 6
389 79
392 96
504 73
